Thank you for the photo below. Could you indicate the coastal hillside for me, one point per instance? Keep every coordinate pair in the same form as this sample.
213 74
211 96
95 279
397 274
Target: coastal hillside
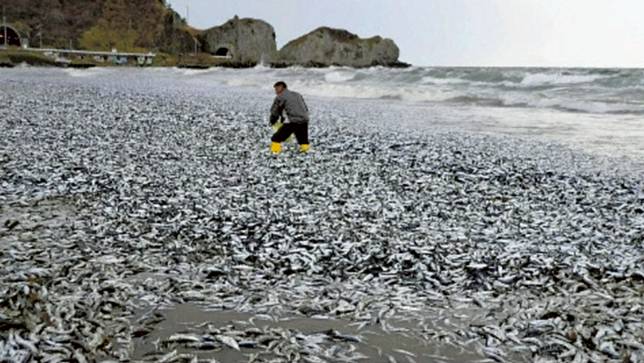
128 25
152 26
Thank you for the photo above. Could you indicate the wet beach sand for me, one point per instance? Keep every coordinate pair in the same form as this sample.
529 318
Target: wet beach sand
143 219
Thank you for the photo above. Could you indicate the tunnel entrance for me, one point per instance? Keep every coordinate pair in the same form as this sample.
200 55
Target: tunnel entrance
222 52
13 38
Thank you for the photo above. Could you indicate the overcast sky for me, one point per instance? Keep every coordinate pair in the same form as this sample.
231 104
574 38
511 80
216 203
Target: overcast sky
591 33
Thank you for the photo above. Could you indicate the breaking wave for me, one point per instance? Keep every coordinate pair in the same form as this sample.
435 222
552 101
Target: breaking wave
546 79
601 91
597 91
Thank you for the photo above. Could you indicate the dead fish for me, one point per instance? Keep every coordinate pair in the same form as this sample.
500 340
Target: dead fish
182 338
229 341
138 202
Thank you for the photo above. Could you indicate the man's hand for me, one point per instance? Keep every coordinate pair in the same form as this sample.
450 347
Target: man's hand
274 120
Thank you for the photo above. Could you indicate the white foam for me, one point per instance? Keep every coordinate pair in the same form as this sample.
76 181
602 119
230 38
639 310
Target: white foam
192 72
89 72
367 91
339 76
585 106
543 79
570 91
261 67
439 81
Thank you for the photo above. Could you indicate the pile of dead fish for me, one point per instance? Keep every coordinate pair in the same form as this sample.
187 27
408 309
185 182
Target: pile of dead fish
115 198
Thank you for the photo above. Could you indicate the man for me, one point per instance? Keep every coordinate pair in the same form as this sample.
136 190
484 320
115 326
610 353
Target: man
297 118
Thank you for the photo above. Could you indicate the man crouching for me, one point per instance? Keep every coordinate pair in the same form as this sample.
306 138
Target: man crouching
297 118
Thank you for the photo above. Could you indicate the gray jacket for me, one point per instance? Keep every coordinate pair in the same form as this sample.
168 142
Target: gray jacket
294 105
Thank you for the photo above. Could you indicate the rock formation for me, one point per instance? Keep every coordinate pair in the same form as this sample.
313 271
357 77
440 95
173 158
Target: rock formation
245 41
152 25
327 46
175 37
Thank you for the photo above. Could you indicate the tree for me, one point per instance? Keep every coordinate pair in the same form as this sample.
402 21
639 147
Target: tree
112 30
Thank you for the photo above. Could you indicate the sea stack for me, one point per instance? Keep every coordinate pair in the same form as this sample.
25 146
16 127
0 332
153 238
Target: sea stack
246 41
326 46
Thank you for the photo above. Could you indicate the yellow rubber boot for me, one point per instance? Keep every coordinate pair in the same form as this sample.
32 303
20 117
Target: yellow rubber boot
276 148
304 148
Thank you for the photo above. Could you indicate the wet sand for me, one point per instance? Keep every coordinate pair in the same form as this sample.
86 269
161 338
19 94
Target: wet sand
375 343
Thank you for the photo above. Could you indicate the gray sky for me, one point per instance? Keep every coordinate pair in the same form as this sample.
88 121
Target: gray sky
591 33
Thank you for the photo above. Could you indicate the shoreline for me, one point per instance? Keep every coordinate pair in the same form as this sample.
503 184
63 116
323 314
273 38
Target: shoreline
280 65
14 57
581 131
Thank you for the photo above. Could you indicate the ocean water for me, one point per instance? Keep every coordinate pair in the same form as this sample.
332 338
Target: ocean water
596 91
600 111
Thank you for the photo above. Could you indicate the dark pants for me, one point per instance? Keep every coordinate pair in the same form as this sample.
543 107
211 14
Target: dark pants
301 131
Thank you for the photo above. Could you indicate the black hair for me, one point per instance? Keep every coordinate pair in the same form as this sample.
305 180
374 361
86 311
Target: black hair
280 83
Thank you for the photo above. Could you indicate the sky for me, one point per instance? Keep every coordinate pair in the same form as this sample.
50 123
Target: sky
554 33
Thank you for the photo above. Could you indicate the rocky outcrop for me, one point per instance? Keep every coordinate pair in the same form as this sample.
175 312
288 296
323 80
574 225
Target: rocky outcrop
151 25
175 36
327 46
245 41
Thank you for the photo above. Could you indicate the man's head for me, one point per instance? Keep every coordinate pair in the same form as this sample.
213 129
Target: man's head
280 87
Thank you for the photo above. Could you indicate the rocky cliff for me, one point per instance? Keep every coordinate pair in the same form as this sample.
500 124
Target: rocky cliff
328 46
245 41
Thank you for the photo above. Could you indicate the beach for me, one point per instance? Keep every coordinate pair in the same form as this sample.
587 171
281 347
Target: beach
144 218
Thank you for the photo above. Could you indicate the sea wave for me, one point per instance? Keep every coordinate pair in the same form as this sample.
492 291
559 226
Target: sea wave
566 105
339 76
600 91
542 79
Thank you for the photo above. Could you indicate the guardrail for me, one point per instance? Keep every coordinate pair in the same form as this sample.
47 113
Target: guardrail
92 52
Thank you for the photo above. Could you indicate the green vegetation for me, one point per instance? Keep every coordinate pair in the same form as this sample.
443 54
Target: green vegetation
54 22
82 63
119 26
372 42
338 35
5 61
127 25
17 56
104 37
165 60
